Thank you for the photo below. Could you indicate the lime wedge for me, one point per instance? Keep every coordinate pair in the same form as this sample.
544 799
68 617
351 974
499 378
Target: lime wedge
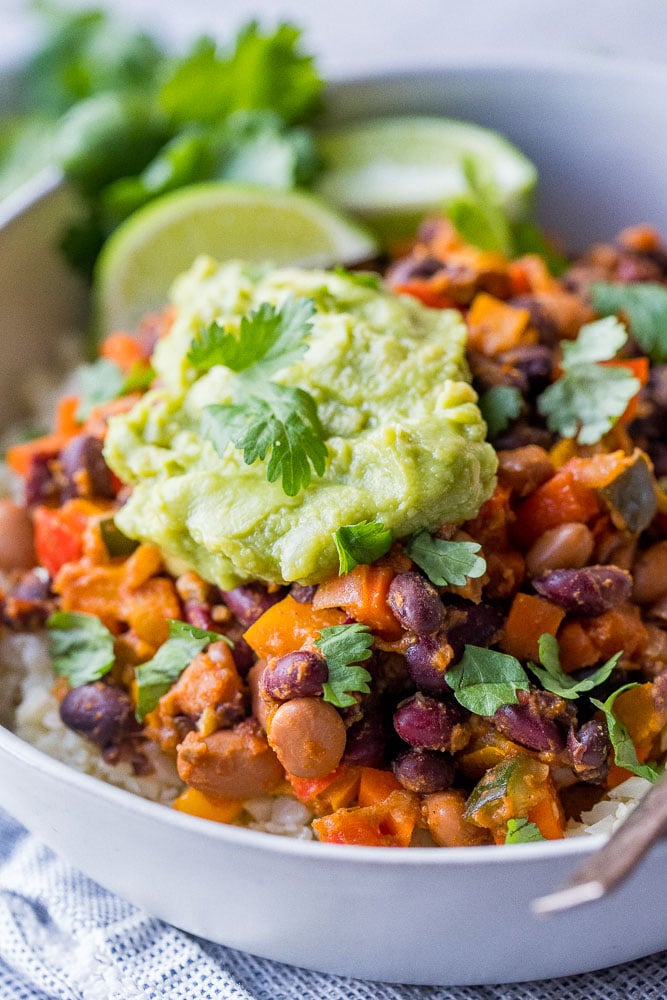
389 172
143 256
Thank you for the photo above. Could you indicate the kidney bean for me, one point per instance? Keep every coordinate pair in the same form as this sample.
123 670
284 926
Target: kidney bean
415 603
249 601
430 723
300 674
230 763
588 750
427 660
587 591
650 574
413 267
17 549
367 738
524 469
424 771
100 712
567 546
532 722
39 485
86 473
309 736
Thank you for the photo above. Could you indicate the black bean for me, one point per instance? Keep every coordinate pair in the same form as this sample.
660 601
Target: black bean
588 591
249 601
101 713
367 738
588 750
85 471
415 603
467 623
424 771
430 723
531 722
523 433
413 267
426 661
540 320
300 674
535 362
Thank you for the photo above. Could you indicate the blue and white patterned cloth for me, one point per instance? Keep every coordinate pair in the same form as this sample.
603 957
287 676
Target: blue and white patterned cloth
62 936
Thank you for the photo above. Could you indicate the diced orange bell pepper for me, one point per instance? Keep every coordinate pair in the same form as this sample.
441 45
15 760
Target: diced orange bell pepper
363 594
495 326
389 823
327 794
196 803
289 625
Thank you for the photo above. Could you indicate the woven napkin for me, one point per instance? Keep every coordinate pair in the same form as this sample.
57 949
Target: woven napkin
62 936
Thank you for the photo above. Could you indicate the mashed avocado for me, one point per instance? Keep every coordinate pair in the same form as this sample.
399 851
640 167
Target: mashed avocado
404 436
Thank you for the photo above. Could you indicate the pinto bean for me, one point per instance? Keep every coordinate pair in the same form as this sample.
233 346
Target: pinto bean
567 546
524 469
17 548
443 812
650 574
588 591
230 763
308 735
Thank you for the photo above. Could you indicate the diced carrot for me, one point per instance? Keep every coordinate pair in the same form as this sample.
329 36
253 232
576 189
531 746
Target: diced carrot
197 804
363 594
389 823
547 814
376 785
289 625
495 326
559 500
530 616
123 349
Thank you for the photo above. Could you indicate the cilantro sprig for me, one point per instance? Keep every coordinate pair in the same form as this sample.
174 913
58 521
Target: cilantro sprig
588 398
484 680
103 380
644 304
80 646
445 562
522 831
625 754
155 677
363 542
344 647
499 406
266 418
553 678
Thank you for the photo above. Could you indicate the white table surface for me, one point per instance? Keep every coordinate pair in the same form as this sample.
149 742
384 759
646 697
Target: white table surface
355 36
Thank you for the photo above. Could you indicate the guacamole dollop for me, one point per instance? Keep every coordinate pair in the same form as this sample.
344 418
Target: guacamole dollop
405 439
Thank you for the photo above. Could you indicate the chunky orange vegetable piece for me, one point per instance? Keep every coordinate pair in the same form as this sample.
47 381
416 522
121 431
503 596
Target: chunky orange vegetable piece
643 711
197 804
376 785
123 349
561 499
333 791
547 814
529 617
389 823
363 594
495 326
289 625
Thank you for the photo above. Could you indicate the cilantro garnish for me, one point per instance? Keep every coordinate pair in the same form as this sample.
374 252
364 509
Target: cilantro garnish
625 754
522 831
361 543
484 680
477 215
81 647
344 647
365 279
446 562
554 679
645 306
268 419
103 380
155 677
588 398
498 406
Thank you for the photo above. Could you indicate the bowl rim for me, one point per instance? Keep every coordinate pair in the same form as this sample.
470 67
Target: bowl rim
44 184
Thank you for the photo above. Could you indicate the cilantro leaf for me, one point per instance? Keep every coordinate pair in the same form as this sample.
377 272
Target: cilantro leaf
645 306
361 543
522 831
529 239
554 679
588 398
269 339
80 646
477 216
284 423
365 279
446 562
625 754
344 647
500 405
155 677
484 680
103 380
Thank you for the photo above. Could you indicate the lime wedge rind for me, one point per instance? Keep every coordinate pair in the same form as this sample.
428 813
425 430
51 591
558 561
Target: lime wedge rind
147 252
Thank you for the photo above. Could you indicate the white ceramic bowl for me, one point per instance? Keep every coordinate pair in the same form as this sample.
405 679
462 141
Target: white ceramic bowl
598 132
